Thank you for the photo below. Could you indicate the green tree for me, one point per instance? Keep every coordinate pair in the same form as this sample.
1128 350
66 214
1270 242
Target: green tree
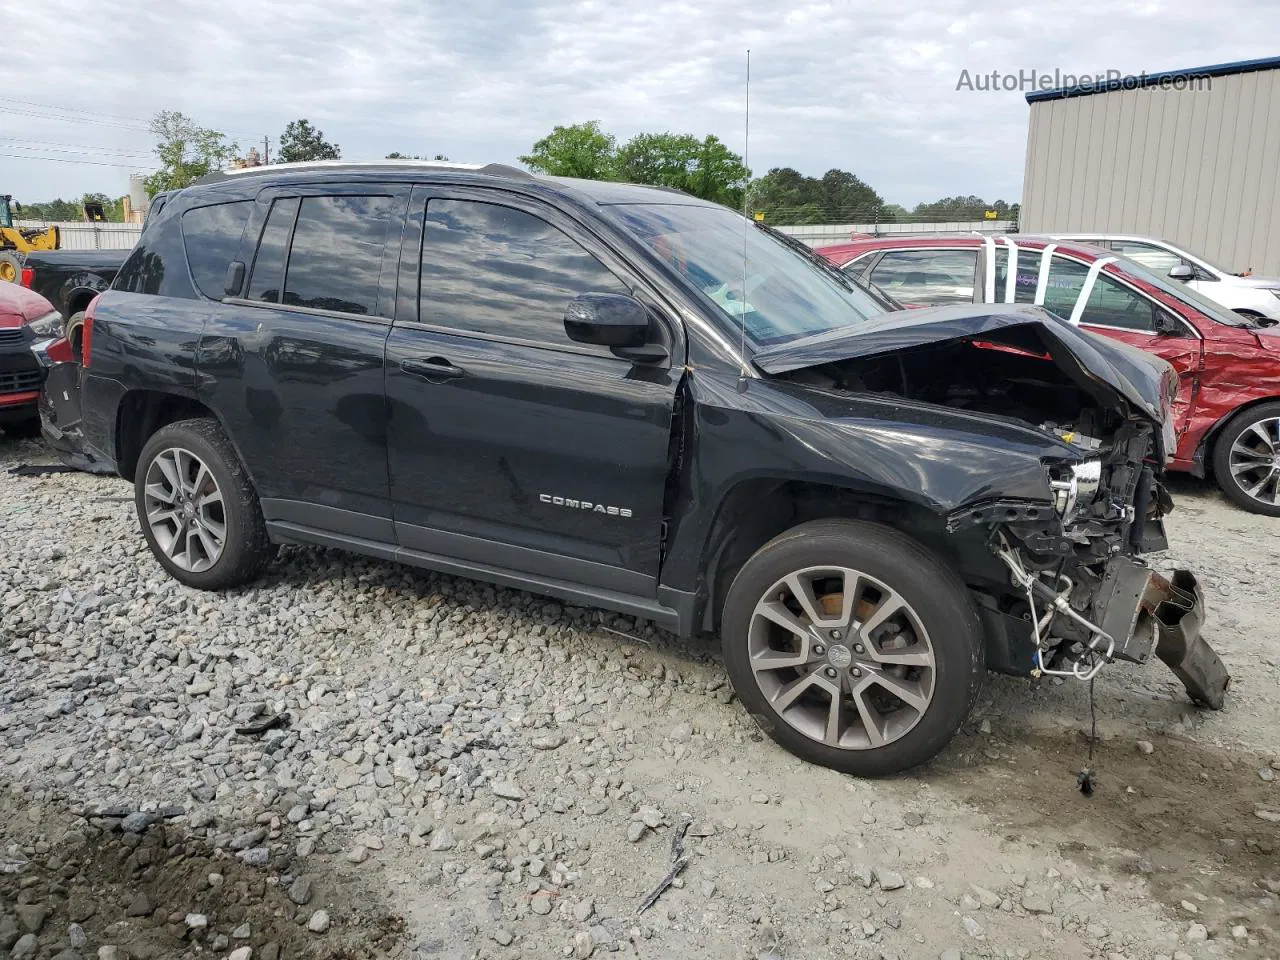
964 208
705 168
301 141
52 211
581 150
186 150
786 196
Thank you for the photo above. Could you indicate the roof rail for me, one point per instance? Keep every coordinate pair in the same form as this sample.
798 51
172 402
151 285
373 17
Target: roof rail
488 169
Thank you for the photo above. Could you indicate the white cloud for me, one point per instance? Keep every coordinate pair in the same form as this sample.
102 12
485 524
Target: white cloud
869 89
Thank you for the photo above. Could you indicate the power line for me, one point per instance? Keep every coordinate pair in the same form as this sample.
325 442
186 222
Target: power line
92 112
96 163
15 142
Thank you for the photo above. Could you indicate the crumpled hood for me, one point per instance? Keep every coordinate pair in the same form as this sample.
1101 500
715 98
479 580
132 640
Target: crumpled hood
1105 368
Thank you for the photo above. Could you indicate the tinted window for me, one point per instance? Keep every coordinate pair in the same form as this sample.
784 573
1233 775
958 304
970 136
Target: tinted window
1062 289
492 269
212 237
1114 305
273 250
1024 285
336 257
156 265
925 278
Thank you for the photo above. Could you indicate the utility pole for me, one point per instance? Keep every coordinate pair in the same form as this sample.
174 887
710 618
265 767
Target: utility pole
266 151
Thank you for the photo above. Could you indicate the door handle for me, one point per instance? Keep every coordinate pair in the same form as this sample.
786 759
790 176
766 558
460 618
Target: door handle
431 369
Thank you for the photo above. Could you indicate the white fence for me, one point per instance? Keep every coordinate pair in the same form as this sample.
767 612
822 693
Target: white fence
92 236
817 235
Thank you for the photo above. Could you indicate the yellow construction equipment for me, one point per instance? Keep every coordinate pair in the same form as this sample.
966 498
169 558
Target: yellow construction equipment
14 241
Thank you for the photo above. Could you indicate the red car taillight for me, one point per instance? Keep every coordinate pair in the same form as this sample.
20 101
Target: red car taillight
86 335
28 277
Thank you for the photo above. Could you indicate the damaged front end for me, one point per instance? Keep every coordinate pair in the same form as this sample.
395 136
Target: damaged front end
1060 579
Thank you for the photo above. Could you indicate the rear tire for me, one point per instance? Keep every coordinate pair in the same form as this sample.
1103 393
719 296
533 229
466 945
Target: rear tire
896 633
197 508
1246 459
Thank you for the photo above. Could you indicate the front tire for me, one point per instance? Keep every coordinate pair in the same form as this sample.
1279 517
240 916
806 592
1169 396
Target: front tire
11 266
197 508
1246 459
853 647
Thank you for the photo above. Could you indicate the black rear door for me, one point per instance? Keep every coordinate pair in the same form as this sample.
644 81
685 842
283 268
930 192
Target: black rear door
294 364
508 444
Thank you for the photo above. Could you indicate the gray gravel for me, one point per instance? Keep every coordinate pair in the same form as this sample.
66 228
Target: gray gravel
506 769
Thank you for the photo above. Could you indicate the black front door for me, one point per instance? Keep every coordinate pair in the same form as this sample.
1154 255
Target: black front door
508 444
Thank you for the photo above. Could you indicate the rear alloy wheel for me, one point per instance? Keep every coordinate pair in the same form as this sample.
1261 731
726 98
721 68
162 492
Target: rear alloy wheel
852 646
1246 459
197 508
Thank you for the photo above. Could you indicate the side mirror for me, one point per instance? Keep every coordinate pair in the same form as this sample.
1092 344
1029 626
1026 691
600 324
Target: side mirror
1181 272
606 320
235 278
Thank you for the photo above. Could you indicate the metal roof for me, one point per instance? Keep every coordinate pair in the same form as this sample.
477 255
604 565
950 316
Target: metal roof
1154 79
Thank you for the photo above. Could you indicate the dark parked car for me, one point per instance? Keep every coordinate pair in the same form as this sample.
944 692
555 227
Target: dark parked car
1227 409
26 320
630 398
70 279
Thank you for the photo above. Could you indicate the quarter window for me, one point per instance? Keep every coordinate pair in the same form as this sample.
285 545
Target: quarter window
212 238
492 269
926 278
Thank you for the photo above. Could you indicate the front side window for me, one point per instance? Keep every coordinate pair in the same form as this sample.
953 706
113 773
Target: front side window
212 238
492 269
1149 255
927 278
758 284
1111 304
336 258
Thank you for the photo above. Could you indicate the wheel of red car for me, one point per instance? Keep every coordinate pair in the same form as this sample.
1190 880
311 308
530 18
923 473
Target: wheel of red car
75 333
852 646
1246 459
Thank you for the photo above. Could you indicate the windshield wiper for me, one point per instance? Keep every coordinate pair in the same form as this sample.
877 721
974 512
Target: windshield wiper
806 251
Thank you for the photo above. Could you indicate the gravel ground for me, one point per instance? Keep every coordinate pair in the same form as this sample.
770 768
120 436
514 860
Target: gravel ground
468 771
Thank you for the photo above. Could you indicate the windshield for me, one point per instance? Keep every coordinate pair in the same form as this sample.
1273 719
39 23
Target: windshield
752 278
1175 288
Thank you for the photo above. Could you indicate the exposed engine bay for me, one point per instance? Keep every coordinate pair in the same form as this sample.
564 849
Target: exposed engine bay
1075 587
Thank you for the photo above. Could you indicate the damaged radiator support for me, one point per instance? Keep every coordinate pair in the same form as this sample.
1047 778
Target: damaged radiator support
1141 613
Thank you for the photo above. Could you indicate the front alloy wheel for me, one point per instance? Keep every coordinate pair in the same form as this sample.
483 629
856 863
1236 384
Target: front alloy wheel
1246 459
185 510
841 657
853 646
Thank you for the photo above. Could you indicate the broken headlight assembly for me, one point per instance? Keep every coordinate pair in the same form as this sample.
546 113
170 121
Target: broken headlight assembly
47 327
1074 486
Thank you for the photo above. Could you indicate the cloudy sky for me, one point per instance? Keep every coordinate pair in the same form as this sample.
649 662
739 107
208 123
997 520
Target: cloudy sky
866 87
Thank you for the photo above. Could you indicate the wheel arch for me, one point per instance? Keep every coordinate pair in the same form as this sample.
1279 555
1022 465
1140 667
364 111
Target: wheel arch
756 510
1208 443
141 413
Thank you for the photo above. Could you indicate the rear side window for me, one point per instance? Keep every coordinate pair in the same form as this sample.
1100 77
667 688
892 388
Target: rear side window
1062 289
268 266
212 238
926 278
1026 280
336 257
157 264
492 269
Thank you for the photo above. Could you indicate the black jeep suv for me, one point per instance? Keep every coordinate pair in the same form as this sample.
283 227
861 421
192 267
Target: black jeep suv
630 398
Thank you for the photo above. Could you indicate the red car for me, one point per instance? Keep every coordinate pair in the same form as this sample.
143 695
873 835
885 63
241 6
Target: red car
1228 403
26 319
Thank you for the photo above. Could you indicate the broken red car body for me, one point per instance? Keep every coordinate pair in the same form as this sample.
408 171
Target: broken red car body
1223 369
20 375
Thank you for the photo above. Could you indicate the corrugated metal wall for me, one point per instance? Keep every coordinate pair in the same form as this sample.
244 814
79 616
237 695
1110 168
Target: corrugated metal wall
92 236
1199 168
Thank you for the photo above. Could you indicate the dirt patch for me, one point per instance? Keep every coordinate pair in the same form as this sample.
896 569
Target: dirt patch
1182 820
71 885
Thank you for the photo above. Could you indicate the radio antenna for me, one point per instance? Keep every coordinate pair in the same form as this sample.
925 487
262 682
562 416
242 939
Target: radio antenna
746 212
